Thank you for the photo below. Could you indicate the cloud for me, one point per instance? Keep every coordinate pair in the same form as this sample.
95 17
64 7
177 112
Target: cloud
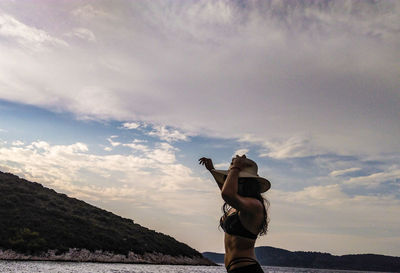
343 172
163 153
296 146
338 213
327 196
139 141
168 134
88 12
17 143
274 70
25 35
113 143
82 33
134 145
131 125
376 179
240 152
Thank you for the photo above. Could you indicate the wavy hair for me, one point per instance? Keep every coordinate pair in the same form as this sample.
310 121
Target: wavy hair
249 188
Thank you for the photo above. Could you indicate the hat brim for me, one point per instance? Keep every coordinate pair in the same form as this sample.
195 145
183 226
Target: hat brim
220 175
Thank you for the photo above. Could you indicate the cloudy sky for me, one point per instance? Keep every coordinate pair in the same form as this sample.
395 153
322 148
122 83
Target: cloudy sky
113 102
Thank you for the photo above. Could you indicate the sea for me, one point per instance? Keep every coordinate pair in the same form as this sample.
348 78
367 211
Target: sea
72 267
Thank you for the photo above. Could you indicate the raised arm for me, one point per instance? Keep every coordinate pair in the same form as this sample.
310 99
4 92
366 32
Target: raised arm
229 190
207 162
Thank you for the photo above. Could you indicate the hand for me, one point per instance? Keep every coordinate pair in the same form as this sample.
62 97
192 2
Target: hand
239 162
207 162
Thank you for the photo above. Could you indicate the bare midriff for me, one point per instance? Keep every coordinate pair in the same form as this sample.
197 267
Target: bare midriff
238 247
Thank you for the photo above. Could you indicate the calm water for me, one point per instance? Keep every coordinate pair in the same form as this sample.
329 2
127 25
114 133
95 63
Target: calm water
56 267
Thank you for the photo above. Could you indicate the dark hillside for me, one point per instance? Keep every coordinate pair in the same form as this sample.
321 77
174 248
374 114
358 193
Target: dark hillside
217 258
370 262
271 256
34 219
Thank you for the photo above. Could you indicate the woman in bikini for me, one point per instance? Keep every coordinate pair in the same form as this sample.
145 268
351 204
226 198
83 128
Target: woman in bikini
245 211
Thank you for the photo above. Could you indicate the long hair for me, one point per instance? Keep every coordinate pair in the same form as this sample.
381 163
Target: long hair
250 188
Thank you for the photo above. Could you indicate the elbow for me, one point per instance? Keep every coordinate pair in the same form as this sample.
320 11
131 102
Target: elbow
227 196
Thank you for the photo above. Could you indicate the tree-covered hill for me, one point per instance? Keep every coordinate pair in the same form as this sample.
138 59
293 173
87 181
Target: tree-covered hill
35 219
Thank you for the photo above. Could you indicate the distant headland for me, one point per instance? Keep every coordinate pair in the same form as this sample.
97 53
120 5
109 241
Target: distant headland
271 256
37 223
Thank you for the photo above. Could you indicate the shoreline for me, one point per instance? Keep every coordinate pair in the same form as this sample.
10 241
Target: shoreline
99 256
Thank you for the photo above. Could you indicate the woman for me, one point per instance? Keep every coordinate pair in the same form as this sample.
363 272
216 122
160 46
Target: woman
245 214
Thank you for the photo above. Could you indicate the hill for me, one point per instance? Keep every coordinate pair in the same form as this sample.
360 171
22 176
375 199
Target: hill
217 258
271 256
35 220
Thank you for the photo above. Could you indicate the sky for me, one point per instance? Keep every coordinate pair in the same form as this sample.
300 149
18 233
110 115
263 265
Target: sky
113 102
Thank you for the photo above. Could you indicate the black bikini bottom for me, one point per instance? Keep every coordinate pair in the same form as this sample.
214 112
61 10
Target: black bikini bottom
252 268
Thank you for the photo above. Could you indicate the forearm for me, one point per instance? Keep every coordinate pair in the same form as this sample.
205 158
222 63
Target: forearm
220 185
230 187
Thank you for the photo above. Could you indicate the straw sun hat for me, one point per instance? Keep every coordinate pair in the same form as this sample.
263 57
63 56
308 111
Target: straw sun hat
250 171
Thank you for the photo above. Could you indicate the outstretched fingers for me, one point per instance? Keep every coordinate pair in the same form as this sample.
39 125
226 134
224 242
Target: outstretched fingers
207 162
202 160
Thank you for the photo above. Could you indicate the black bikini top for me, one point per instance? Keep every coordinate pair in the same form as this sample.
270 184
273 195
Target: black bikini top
232 225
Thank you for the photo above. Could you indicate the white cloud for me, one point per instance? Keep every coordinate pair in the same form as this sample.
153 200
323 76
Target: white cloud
295 146
88 12
136 147
113 143
131 125
163 153
375 179
3 131
331 199
168 134
345 171
17 143
139 141
41 145
25 35
240 152
327 196
82 33
329 211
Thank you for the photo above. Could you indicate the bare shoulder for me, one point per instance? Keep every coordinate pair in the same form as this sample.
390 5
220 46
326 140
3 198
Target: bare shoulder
251 206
